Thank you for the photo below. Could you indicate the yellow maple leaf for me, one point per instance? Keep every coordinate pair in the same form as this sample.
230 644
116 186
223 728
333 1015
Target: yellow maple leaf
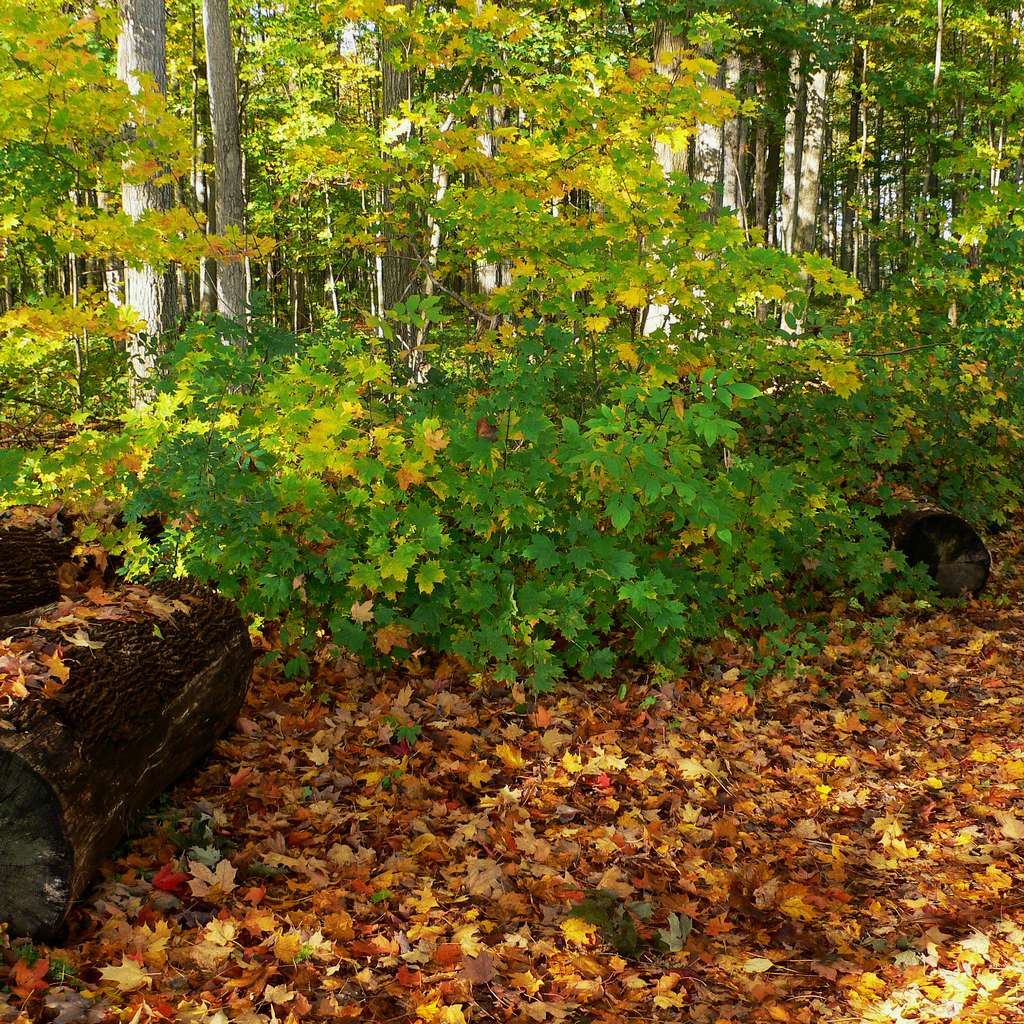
632 297
526 981
579 932
511 756
571 763
128 977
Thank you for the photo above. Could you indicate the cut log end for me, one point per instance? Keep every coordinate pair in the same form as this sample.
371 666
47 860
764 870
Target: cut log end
36 857
948 546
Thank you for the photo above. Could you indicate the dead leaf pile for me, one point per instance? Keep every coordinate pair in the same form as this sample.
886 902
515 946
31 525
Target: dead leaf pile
421 847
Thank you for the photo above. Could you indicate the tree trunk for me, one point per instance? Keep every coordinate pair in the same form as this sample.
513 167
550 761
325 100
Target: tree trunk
142 50
850 178
810 162
666 46
134 714
232 301
793 152
733 172
33 546
397 264
933 123
948 546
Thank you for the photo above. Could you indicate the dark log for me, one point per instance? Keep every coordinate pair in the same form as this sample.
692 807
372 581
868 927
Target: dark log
947 545
135 713
34 543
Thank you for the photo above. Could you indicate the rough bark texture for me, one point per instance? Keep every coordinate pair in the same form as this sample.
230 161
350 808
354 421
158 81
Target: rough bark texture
32 547
78 765
947 545
151 292
227 153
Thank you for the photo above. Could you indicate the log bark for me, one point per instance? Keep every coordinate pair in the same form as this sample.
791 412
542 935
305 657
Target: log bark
33 546
135 713
947 545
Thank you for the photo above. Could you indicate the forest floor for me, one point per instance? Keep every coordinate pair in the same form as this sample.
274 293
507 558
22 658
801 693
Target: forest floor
413 846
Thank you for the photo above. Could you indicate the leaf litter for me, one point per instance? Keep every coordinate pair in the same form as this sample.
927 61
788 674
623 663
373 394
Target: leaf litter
416 846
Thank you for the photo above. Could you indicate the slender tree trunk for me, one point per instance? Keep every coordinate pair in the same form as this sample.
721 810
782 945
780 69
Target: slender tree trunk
150 291
874 255
232 301
933 121
850 179
666 46
793 152
733 173
396 265
810 162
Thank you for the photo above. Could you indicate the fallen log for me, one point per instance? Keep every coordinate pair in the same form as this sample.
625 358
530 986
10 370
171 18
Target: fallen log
34 543
120 701
947 545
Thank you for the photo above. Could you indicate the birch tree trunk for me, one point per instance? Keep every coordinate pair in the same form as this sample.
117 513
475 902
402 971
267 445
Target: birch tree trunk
850 180
810 162
150 291
227 154
733 170
792 152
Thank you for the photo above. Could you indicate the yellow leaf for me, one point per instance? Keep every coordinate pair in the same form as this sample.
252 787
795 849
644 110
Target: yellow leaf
936 696
758 965
627 353
1012 827
795 907
527 982
581 933
933 783
479 774
632 297
571 763
129 977
287 947
511 756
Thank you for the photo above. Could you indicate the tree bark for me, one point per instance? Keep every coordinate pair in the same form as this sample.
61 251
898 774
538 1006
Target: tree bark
151 292
33 546
78 764
396 265
810 162
221 80
733 171
793 152
946 545
850 178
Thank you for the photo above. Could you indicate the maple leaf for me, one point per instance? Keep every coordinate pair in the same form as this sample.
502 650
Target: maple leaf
578 931
484 877
212 885
128 977
391 636
478 970
362 612
30 979
170 880
511 757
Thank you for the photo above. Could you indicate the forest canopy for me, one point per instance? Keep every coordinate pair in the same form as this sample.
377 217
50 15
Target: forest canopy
544 336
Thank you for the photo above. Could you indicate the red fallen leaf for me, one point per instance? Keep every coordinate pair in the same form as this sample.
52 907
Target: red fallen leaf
255 894
410 979
28 980
300 838
170 880
240 778
448 954
602 781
